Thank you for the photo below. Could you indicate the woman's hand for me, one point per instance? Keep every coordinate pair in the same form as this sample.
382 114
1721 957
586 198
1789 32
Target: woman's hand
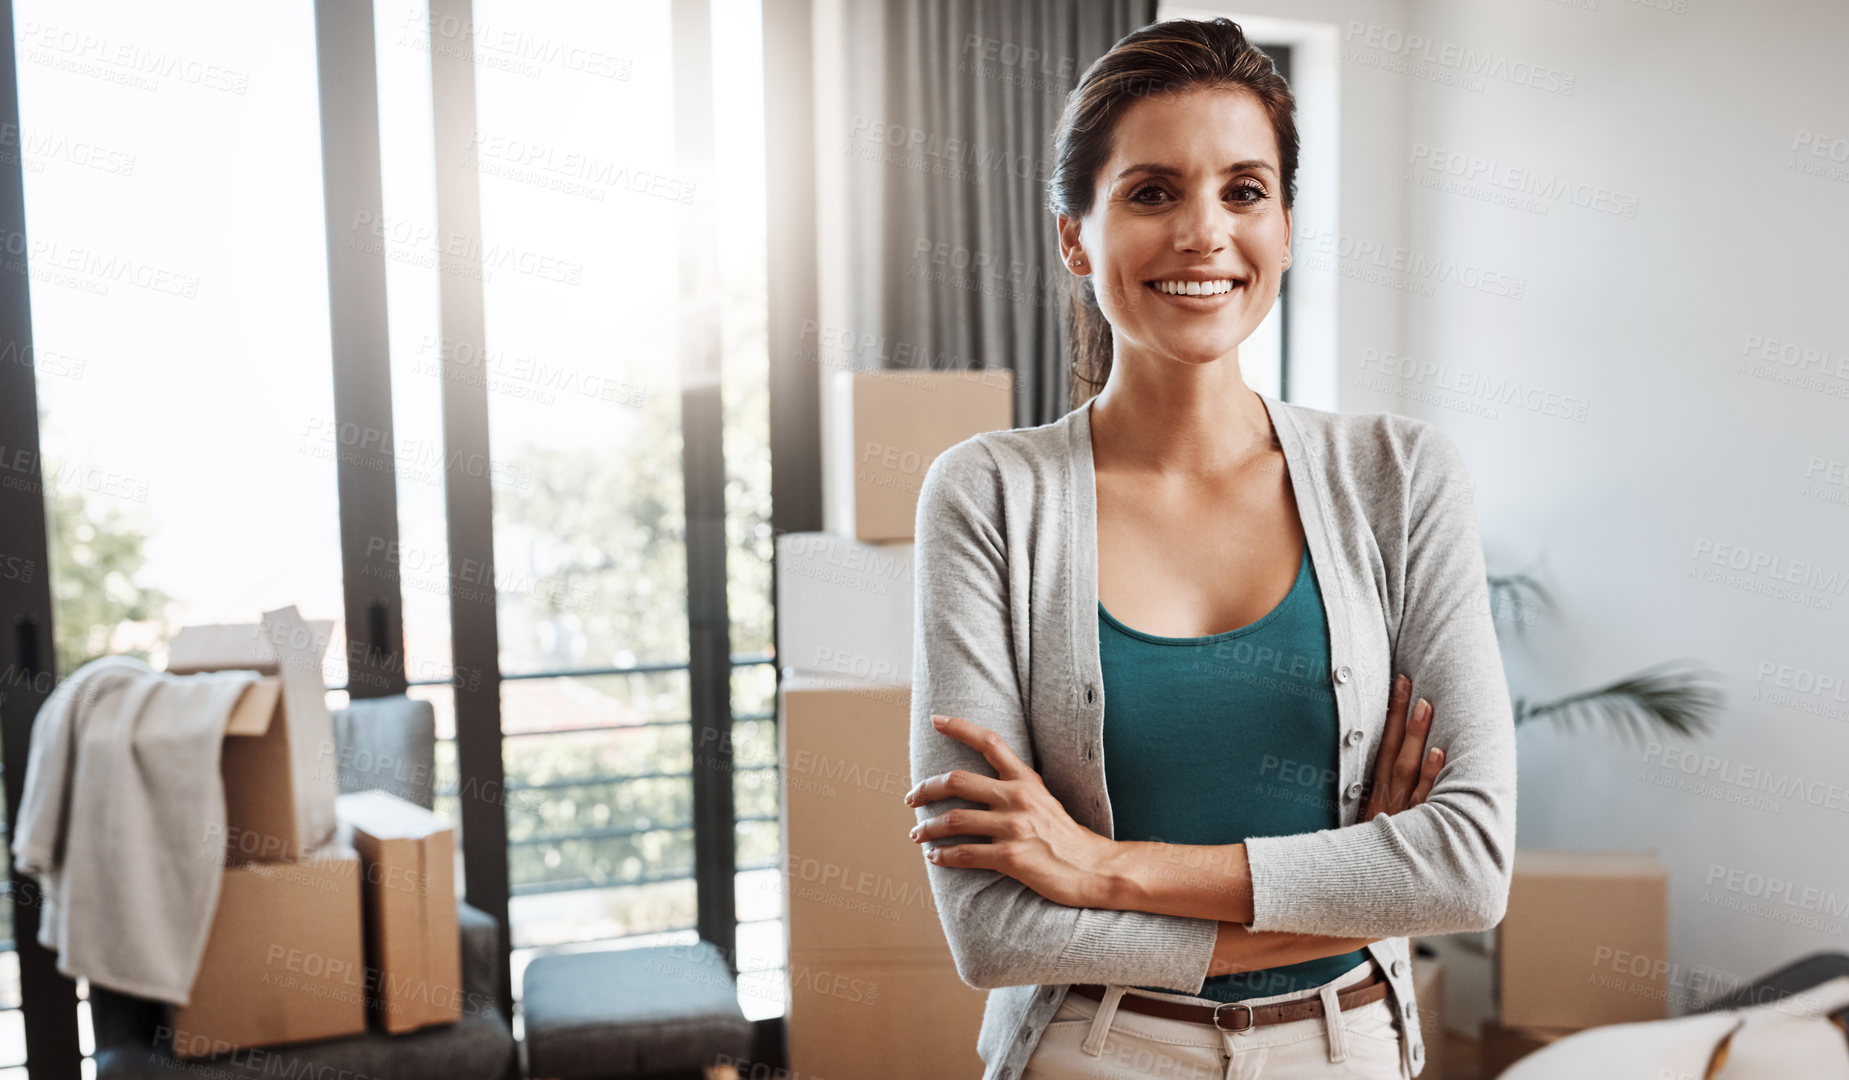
1404 770
1033 840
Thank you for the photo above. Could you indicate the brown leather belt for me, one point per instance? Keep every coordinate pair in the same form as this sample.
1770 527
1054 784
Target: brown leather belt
1237 1015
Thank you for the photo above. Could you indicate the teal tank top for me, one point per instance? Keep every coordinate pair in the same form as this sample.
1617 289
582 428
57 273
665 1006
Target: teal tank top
1210 740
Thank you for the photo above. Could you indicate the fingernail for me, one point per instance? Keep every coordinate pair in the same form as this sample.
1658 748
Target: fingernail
937 721
1400 681
914 833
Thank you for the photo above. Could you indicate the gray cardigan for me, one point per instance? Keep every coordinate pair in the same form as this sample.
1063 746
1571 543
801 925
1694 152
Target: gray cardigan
1006 634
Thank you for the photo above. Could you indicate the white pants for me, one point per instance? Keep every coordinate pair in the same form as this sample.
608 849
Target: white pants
1096 1040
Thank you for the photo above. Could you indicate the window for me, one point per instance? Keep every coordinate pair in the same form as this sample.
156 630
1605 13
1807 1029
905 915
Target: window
180 328
180 306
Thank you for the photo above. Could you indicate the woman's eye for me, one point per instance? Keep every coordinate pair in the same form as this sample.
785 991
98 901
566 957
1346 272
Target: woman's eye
1245 194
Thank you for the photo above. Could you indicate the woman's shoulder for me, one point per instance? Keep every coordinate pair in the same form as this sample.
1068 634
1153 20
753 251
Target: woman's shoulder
972 483
1376 445
1010 456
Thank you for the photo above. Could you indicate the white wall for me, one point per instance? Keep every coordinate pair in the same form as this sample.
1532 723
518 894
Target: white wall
1693 115
1662 440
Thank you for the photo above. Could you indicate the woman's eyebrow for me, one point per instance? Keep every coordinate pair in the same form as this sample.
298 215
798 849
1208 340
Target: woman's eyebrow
1170 170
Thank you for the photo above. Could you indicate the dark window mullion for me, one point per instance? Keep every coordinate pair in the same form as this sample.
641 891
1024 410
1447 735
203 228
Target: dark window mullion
353 189
468 496
48 999
703 476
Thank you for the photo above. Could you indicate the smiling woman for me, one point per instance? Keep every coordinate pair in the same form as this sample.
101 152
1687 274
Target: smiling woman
1231 598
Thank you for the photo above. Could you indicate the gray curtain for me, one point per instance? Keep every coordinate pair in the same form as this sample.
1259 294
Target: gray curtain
955 253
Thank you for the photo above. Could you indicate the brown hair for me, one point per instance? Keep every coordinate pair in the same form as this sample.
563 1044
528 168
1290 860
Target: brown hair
1165 57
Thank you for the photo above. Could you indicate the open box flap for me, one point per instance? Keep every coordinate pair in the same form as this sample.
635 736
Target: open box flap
255 707
299 645
249 646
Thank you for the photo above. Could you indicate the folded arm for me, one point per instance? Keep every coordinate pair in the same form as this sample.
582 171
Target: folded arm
1442 866
1001 932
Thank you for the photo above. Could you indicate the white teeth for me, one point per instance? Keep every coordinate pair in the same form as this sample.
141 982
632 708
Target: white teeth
1195 288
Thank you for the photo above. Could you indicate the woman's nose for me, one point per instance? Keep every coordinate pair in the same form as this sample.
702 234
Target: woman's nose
1200 229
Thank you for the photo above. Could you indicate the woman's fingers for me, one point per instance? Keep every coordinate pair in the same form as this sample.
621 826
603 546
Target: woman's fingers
1391 734
1406 762
977 856
987 740
1394 732
1428 774
957 784
961 822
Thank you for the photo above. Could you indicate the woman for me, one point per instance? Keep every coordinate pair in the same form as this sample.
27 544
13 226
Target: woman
1207 588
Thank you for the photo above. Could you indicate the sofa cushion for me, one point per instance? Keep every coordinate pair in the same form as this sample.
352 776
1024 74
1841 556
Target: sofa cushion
631 1012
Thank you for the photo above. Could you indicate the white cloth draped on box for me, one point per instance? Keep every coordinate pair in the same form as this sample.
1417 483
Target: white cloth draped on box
122 822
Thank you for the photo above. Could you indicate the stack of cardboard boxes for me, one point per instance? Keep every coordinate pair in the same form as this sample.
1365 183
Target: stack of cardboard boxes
871 978
1583 943
311 878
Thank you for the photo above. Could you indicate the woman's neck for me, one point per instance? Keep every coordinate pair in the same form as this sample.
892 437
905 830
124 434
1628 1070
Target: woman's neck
1198 420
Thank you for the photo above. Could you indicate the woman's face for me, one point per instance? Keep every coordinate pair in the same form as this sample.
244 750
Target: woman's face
1190 200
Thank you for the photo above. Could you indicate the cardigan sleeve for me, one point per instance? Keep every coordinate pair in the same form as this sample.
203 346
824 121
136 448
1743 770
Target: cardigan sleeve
1444 865
966 663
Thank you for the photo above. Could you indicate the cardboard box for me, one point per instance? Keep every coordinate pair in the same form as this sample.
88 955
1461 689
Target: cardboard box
898 1020
413 941
882 431
844 607
278 759
1584 941
870 976
1428 991
283 962
1499 1047
856 882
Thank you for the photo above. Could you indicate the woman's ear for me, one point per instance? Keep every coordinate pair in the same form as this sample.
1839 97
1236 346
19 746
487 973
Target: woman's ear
1071 252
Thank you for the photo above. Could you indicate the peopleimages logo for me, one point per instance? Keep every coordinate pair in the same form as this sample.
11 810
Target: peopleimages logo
1406 263
1465 61
1549 187
1476 385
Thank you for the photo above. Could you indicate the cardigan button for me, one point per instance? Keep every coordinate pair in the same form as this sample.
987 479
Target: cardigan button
1354 792
1399 968
1355 737
1342 674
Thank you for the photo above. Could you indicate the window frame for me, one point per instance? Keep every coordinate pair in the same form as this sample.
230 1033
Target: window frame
366 481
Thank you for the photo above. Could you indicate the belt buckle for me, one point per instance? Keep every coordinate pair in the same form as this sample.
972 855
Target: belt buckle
1251 1017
